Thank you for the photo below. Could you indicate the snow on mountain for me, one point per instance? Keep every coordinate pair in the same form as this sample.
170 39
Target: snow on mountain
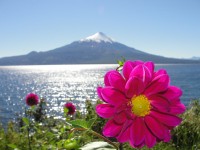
97 37
95 49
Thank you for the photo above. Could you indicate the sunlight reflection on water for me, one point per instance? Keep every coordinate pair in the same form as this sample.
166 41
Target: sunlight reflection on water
56 83
76 83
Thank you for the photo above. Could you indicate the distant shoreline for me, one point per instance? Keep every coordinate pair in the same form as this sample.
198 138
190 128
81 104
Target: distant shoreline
198 63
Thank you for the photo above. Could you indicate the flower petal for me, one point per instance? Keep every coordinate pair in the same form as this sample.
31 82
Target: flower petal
116 80
156 128
120 118
128 67
159 85
111 129
142 72
166 119
150 139
172 93
134 86
124 136
168 137
106 78
113 96
99 92
159 103
159 72
150 66
137 132
137 146
177 108
105 110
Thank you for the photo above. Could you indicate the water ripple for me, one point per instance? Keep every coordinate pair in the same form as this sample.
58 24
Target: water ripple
60 83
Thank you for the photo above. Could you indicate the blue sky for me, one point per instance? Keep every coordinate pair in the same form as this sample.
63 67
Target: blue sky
169 28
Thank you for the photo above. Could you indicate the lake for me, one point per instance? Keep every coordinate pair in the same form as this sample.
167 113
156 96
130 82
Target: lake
77 83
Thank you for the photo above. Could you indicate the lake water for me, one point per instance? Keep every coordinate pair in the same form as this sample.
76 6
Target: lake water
77 83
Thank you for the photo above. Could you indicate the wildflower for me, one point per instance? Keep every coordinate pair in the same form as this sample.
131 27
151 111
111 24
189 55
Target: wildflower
32 99
140 104
69 108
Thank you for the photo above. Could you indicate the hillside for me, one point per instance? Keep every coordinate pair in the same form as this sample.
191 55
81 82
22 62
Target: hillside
95 49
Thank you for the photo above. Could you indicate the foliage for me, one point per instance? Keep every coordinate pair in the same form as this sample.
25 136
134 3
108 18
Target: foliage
187 135
120 63
90 114
50 133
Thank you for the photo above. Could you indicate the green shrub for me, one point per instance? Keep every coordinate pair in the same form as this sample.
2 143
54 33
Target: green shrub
187 134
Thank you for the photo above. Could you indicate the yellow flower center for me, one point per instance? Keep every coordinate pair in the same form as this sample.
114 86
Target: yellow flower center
140 105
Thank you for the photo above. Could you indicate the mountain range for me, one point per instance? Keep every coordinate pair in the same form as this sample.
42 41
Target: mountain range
195 58
95 49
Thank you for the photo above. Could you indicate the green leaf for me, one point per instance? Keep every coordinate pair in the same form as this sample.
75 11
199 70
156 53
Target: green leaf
79 123
33 107
24 127
25 120
70 144
122 61
62 130
82 123
91 122
12 146
66 110
71 135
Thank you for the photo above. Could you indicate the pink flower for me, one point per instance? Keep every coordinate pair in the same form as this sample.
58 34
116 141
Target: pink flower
140 104
32 99
70 108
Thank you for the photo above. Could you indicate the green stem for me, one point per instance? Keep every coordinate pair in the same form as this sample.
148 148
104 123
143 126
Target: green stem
117 69
28 131
107 140
120 146
29 141
96 134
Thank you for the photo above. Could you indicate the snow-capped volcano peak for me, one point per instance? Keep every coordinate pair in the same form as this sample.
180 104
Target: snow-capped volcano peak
98 37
